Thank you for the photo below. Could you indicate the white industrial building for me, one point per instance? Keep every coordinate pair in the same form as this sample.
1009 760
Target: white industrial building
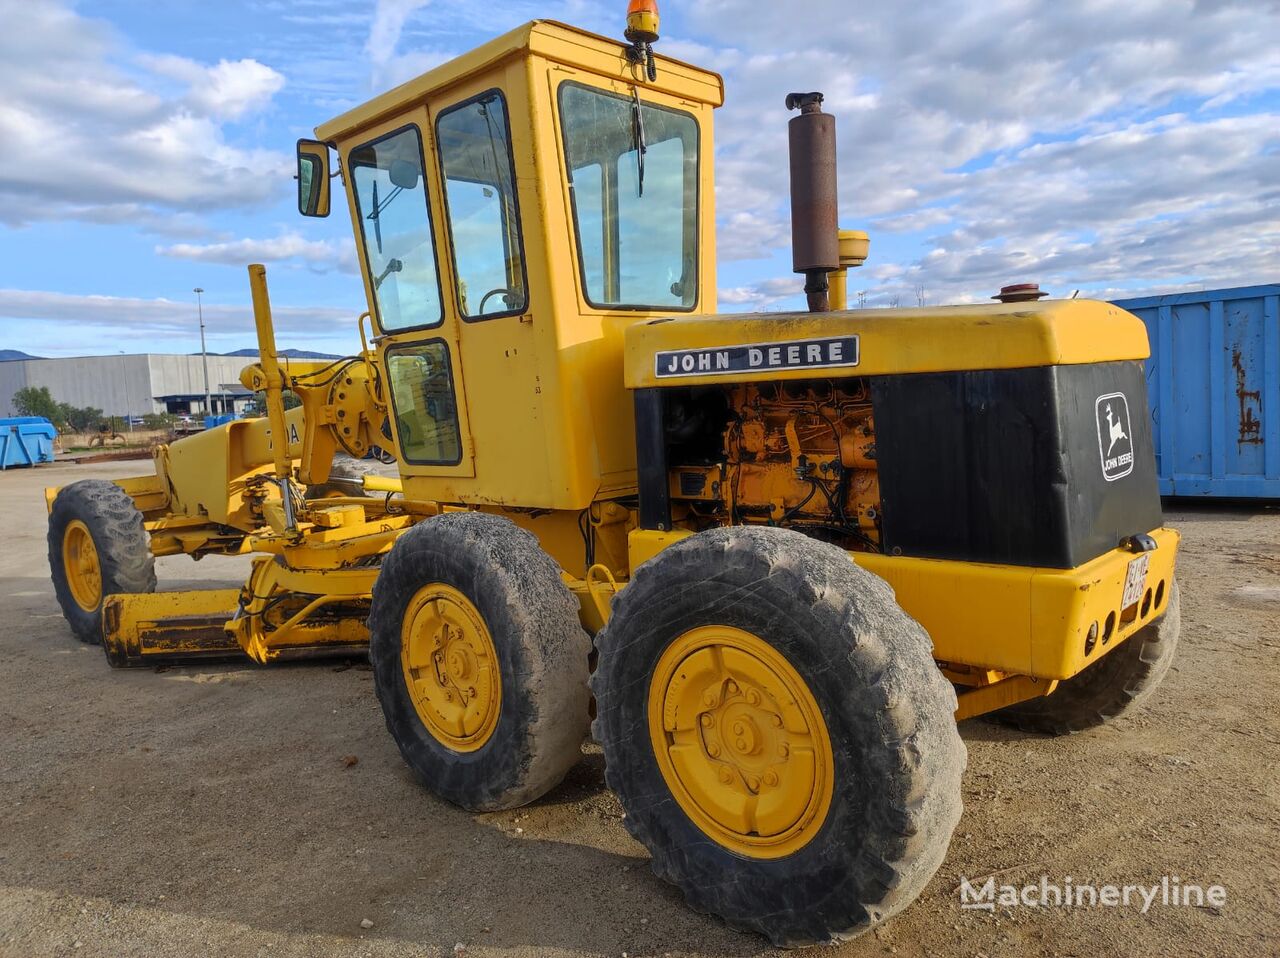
131 385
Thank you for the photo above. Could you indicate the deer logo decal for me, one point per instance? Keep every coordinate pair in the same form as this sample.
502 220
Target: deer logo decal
1116 430
1114 442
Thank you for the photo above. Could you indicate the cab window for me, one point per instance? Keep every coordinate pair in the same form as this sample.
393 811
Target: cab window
395 226
633 177
474 141
422 398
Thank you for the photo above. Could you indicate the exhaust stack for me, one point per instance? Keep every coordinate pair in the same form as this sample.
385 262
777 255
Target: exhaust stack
815 245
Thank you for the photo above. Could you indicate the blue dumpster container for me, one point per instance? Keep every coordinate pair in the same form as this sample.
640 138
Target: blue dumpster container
26 441
212 422
1213 381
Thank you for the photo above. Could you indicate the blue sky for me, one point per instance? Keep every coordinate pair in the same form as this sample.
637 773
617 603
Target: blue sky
1111 147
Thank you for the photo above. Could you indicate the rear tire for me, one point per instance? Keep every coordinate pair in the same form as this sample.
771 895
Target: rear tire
799 625
503 604
98 547
1116 685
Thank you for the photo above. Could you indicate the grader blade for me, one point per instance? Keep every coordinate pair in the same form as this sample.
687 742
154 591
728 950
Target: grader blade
161 628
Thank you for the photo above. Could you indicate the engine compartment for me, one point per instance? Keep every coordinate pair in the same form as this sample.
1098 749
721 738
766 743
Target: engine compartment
798 454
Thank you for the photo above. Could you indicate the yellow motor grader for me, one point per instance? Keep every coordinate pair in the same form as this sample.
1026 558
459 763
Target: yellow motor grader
776 555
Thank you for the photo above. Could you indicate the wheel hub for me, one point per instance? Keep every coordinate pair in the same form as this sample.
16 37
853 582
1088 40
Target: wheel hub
743 732
81 565
451 668
740 741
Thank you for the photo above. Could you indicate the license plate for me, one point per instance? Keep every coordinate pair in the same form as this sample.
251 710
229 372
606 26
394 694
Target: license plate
1135 580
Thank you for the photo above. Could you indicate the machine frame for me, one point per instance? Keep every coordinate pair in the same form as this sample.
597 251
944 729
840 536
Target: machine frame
608 494
554 448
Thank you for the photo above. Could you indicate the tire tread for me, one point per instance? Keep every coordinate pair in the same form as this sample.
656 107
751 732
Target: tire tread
913 720
511 575
119 535
1115 686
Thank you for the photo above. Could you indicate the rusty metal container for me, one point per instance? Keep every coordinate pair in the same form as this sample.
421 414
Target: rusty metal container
1213 381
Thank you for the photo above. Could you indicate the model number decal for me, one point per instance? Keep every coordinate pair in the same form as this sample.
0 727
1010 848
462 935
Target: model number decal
722 360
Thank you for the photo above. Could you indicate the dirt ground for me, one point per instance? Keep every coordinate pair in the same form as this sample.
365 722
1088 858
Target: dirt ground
214 811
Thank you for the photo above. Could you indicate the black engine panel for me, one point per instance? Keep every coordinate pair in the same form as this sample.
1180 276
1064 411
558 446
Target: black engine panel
1015 466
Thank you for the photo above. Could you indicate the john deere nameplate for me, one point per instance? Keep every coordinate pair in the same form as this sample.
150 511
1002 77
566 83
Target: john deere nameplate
758 357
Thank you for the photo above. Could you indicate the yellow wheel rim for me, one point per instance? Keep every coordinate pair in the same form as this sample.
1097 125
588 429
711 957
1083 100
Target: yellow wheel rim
80 562
451 668
741 742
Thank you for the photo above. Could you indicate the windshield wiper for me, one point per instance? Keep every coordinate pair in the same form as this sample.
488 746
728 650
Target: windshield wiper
637 139
376 213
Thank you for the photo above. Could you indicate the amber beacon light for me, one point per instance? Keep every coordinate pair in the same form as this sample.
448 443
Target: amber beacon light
642 31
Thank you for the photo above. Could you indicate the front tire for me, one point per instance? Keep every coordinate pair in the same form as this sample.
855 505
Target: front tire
778 734
1116 685
98 546
479 661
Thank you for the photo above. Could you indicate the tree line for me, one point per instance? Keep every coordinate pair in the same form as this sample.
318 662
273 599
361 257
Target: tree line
38 401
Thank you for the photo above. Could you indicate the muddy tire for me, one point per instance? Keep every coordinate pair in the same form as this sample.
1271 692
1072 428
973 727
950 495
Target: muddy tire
464 601
831 672
97 547
1116 685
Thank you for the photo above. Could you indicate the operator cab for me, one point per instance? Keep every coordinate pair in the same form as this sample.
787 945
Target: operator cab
515 210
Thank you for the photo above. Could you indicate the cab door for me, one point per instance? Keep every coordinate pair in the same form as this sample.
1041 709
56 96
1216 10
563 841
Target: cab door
398 214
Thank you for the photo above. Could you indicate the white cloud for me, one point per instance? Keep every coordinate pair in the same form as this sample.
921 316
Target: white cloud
389 17
913 221
1175 200
409 37
86 139
290 246
759 296
1025 137
137 324
226 90
389 67
1110 144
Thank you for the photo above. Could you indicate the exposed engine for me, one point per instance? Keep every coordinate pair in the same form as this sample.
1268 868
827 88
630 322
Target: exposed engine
798 453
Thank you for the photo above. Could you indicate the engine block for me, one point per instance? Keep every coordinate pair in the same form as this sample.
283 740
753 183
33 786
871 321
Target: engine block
797 453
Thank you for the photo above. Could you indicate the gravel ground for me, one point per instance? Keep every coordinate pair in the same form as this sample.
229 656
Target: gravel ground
217 810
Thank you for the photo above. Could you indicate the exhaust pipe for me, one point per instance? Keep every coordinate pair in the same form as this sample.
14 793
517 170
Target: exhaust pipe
815 244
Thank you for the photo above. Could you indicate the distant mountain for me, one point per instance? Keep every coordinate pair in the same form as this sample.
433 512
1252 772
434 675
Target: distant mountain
290 353
8 354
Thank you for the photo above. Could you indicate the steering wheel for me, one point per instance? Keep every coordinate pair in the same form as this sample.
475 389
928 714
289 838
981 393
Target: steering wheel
493 292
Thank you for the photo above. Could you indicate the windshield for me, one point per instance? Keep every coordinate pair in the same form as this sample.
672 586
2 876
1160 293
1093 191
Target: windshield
633 175
396 228
484 225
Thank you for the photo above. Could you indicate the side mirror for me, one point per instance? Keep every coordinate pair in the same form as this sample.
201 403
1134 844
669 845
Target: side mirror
404 174
313 178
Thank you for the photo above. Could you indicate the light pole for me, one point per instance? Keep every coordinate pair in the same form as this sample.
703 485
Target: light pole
204 355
